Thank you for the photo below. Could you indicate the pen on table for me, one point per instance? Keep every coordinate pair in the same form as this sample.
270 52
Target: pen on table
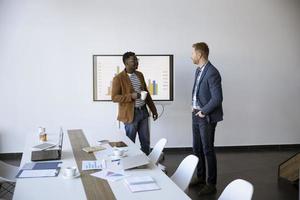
115 160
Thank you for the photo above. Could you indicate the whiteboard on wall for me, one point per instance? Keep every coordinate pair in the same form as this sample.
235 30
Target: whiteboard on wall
157 71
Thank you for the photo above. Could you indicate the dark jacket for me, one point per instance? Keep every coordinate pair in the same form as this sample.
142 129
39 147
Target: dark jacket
209 95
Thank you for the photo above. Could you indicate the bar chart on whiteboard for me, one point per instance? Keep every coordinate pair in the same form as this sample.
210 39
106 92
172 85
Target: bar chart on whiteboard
157 71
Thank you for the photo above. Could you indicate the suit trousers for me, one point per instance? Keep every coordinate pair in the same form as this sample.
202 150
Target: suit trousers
203 148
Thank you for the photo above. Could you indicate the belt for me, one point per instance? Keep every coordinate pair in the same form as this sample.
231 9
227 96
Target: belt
140 108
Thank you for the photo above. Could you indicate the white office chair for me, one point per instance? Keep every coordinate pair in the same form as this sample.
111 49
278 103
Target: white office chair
183 174
7 178
237 190
157 150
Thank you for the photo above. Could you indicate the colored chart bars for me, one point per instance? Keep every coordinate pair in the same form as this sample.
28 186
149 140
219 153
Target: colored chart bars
152 87
109 88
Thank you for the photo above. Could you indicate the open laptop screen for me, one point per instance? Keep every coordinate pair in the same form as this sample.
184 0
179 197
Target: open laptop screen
61 138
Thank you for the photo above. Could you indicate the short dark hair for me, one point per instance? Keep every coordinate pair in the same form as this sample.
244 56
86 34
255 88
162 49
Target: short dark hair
127 55
202 48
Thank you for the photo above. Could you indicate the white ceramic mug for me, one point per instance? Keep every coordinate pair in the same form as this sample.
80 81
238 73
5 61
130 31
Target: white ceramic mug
118 152
70 171
144 95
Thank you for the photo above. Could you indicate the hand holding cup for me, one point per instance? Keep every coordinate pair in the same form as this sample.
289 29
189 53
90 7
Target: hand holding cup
144 95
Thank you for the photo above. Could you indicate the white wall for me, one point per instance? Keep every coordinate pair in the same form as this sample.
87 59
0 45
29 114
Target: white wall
46 50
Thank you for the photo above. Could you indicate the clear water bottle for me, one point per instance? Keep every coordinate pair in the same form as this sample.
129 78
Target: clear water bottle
42 134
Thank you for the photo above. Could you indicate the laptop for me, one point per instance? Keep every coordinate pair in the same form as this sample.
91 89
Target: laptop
134 161
44 146
49 154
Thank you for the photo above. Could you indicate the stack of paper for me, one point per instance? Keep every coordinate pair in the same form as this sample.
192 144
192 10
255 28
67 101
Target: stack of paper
37 173
110 175
142 183
93 149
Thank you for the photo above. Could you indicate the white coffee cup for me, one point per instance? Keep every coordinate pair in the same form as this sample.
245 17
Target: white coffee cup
144 95
70 171
118 152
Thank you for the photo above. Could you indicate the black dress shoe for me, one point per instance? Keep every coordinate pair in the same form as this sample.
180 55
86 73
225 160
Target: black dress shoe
197 181
208 189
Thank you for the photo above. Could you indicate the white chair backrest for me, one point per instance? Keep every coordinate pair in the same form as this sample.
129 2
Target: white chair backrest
183 174
8 172
237 190
157 150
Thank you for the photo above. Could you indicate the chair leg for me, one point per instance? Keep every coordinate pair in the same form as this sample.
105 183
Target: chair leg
161 157
163 168
7 190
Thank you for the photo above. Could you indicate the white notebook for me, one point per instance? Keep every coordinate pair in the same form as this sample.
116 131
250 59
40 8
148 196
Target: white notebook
141 183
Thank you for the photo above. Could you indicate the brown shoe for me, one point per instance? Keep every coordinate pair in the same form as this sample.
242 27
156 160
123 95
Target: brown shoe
208 189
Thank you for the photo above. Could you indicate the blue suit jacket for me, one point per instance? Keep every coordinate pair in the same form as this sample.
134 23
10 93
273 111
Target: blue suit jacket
209 95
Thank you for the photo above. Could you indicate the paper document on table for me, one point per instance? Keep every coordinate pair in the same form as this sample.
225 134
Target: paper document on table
135 180
91 164
93 149
110 175
142 183
39 169
38 173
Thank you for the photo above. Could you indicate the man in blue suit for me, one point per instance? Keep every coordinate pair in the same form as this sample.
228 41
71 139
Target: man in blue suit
206 112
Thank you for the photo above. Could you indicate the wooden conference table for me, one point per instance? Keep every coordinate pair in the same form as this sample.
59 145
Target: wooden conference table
87 186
